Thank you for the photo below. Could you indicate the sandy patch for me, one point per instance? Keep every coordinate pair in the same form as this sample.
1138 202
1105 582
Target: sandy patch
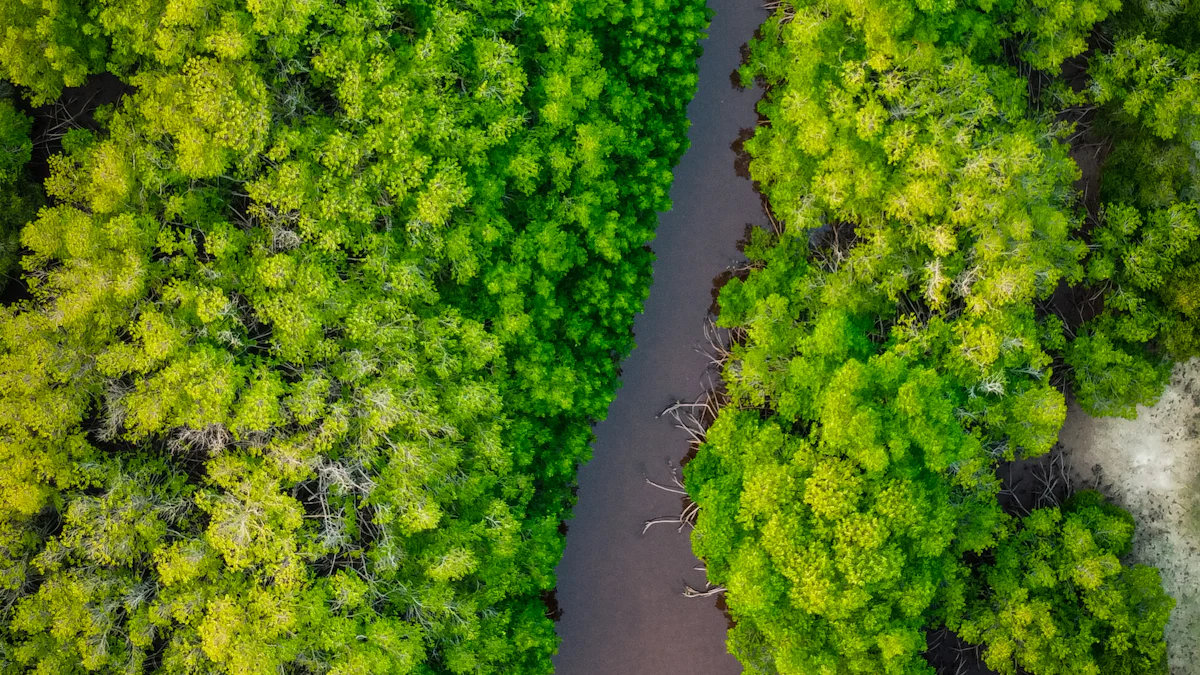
1151 466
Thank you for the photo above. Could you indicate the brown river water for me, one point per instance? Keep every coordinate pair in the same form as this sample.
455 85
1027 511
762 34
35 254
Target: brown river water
619 590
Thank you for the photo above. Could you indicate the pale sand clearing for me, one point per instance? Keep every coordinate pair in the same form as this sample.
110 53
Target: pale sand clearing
1151 466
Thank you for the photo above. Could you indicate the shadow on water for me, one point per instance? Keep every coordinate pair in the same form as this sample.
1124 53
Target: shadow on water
729 273
742 164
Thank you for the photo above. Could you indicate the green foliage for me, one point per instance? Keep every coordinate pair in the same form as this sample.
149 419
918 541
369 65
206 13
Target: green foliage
321 317
16 149
1056 600
895 368
18 198
1168 21
894 346
47 45
1147 253
1044 32
973 213
1110 380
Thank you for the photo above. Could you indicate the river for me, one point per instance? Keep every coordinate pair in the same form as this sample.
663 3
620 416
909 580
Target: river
619 590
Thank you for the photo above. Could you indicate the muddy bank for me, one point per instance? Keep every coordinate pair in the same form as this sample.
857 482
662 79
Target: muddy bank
1151 466
620 591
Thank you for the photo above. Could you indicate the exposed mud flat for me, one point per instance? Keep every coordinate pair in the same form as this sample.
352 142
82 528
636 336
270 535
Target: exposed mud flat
1151 466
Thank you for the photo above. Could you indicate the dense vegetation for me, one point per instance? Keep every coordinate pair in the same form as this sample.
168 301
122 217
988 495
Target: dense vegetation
315 319
1147 256
318 321
19 197
898 335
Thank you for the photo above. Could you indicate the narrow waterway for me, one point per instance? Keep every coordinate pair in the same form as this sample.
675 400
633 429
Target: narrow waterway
619 590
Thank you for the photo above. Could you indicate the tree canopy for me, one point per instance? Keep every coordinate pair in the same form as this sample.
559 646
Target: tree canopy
320 318
897 338
1147 258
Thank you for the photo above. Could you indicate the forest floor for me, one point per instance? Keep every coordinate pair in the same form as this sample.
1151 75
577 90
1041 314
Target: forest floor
1151 466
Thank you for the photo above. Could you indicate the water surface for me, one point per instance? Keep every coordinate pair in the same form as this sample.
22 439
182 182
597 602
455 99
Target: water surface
620 591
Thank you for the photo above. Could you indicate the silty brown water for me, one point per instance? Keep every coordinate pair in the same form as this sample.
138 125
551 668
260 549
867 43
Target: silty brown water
619 590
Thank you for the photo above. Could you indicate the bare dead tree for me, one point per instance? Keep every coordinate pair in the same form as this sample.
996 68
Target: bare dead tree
689 592
966 658
688 510
1011 491
211 439
64 116
1053 480
112 420
789 12
718 343
694 417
